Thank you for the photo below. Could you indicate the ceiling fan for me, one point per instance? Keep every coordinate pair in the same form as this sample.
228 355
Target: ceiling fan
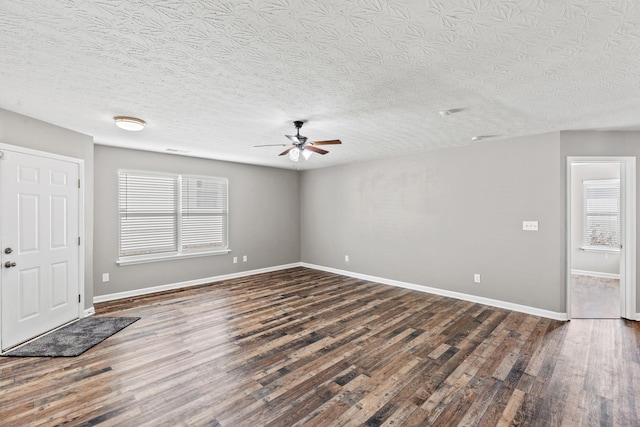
301 146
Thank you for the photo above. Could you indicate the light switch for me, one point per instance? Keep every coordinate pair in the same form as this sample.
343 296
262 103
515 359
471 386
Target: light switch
530 225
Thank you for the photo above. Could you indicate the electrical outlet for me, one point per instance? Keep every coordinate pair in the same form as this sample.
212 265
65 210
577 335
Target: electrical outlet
476 278
244 258
530 225
235 259
105 277
346 258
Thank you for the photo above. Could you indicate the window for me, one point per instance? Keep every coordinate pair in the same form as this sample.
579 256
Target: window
204 213
166 216
602 214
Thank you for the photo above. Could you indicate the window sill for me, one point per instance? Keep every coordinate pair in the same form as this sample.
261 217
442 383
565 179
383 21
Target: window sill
608 249
141 259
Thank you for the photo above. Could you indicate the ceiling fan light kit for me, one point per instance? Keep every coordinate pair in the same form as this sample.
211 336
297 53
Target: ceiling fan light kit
294 154
306 154
300 145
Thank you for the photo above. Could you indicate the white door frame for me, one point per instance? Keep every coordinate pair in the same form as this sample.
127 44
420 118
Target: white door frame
80 163
628 237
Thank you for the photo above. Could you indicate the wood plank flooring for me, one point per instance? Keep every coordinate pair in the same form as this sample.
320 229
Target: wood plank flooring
300 347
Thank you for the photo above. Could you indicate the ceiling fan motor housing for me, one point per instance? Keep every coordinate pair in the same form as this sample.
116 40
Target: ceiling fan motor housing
301 139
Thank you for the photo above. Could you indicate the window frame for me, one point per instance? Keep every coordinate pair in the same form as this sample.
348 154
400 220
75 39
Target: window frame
585 215
179 253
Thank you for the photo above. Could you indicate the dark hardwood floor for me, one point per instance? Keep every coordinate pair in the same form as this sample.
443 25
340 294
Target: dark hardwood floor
301 347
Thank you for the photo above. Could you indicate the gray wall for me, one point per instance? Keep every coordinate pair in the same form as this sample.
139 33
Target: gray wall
437 218
586 143
433 219
598 262
264 219
16 129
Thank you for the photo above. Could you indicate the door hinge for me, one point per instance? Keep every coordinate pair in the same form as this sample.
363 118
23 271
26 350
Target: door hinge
78 297
78 183
1 155
78 241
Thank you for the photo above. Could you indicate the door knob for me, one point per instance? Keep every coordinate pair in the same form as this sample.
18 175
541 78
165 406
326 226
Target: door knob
9 264
8 251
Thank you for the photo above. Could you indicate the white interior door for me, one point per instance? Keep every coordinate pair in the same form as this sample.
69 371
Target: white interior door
40 245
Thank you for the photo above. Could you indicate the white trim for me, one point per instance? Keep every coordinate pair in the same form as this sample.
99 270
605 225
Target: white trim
568 236
628 261
141 259
188 283
81 235
606 249
596 274
442 292
628 224
39 153
89 312
81 214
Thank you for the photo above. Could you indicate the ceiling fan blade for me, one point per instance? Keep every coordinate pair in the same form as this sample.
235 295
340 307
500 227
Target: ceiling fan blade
294 139
271 145
329 142
286 151
315 150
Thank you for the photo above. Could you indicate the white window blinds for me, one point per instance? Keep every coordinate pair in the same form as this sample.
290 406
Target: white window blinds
602 213
148 213
204 213
171 214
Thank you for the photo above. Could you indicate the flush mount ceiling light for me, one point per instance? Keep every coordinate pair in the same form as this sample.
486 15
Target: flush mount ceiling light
129 123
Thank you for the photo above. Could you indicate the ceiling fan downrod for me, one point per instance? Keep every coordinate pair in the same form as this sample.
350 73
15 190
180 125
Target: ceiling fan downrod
301 139
298 124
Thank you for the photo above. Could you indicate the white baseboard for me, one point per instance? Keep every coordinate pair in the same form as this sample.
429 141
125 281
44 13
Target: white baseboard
451 294
596 274
189 283
442 292
89 312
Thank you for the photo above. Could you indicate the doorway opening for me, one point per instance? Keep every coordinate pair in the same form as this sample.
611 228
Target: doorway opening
601 238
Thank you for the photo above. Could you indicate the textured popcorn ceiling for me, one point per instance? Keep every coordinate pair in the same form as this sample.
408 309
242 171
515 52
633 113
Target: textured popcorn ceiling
214 78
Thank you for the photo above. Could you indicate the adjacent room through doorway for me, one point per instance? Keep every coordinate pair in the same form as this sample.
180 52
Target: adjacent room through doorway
595 240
